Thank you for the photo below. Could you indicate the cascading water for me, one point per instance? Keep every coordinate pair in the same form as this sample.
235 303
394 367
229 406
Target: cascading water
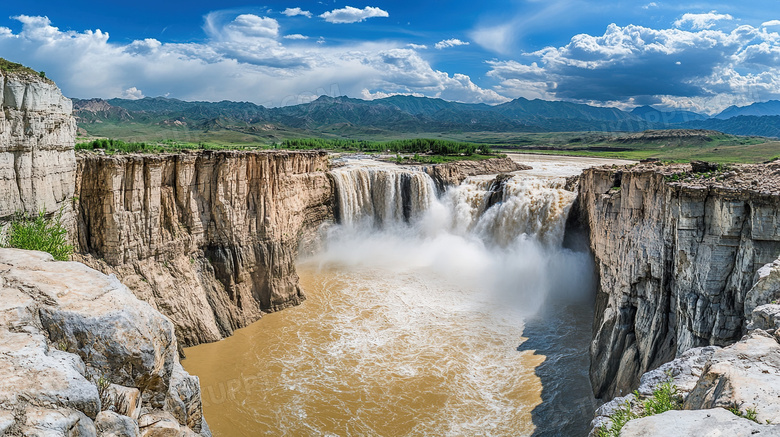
425 316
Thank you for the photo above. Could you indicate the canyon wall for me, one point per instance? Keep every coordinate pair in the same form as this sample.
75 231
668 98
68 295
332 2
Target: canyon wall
37 131
675 262
208 238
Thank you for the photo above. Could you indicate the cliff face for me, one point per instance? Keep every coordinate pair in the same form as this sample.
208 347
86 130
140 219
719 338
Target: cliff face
675 264
37 131
209 239
81 356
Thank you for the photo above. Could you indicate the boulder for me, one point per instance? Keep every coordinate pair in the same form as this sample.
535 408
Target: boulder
745 375
699 423
110 424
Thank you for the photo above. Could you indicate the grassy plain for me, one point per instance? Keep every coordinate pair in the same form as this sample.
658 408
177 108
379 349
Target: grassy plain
712 147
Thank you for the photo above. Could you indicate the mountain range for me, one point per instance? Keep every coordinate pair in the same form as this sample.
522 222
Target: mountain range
341 116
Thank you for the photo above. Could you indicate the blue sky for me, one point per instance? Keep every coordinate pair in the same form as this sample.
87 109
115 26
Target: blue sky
692 55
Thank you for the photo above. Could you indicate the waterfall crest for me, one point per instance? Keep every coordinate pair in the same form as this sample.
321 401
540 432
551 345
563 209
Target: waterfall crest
498 210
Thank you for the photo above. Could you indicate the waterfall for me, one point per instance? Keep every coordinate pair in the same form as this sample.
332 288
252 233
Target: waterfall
499 211
384 195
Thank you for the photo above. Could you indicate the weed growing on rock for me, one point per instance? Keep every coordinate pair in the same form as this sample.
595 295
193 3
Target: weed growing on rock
102 384
619 419
40 233
750 413
665 397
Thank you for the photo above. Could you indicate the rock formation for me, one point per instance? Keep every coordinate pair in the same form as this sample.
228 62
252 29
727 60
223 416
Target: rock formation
210 238
81 356
712 382
675 261
37 131
453 173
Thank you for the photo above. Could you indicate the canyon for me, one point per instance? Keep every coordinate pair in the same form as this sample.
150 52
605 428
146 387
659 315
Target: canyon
187 248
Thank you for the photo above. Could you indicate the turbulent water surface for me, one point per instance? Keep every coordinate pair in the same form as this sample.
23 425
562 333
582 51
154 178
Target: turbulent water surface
457 314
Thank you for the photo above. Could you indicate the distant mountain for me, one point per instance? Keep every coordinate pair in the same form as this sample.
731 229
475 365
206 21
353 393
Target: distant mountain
764 126
344 116
654 116
758 109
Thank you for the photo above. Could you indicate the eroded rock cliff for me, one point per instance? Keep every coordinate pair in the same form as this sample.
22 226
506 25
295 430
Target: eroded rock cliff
37 131
675 260
81 356
210 238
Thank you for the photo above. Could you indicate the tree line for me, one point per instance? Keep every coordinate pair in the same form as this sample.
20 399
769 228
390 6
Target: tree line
416 145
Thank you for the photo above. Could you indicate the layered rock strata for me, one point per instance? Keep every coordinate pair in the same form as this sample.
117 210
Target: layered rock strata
81 356
210 239
37 131
676 253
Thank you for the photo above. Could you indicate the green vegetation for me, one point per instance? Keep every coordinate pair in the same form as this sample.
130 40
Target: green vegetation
12 67
40 233
416 145
664 398
750 413
119 146
426 151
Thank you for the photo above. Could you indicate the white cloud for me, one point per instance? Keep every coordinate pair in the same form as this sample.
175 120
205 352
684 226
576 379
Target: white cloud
450 43
650 5
498 38
295 36
253 26
242 59
417 46
771 23
706 69
368 95
291 12
133 93
702 21
353 15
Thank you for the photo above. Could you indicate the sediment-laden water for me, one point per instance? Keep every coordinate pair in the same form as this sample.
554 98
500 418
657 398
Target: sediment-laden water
457 314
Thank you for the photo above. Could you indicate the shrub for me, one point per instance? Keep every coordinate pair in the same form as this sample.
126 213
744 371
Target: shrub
665 397
40 233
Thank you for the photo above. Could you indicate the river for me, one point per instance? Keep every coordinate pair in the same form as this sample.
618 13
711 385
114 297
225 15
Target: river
427 314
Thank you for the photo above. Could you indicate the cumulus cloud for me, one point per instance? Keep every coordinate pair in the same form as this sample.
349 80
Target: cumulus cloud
450 43
353 15
242 58
706 68
702 21
295 36
417 46
771 23
132 93
650 5
368 95
292 12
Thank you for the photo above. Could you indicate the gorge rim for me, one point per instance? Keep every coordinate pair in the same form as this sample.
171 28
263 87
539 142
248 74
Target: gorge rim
456 312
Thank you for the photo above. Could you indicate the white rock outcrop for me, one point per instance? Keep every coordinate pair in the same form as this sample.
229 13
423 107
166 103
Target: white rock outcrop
37 132
80 355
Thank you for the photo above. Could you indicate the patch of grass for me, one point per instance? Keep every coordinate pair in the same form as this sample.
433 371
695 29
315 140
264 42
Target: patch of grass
619 419
750 413
40 232
664 398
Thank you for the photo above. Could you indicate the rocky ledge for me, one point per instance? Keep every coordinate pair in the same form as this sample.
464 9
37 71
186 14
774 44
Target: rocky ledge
453 173
81 356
